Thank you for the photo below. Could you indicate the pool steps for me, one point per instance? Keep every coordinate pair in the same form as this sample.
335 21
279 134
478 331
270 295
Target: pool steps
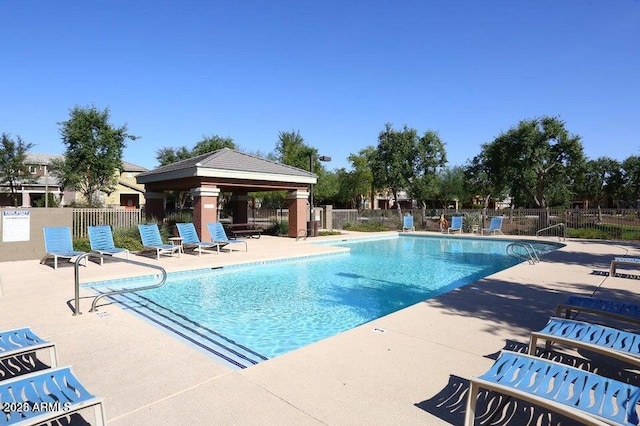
215 345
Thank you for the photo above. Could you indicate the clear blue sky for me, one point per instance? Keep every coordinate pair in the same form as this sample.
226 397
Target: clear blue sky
336 71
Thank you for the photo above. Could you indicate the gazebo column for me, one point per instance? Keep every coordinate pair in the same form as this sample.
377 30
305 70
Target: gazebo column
297 202
205 209
239 206
154 205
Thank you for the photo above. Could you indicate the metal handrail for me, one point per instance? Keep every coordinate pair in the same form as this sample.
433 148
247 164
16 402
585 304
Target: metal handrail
531 251
562 237
113 292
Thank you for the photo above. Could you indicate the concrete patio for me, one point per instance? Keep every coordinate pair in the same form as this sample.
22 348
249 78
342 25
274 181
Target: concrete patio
409 367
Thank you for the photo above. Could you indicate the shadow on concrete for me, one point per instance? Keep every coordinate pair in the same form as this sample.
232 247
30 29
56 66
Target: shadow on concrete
493 408
507 305
19 365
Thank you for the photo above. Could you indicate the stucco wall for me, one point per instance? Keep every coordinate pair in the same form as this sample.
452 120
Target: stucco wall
34 247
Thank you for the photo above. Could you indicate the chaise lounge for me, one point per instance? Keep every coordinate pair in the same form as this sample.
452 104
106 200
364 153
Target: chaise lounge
218 235
191 241
21 341
610 308
407 223
456 225
101 241
46 395
58 244
152 241
622 261
583 396
495 226
618 344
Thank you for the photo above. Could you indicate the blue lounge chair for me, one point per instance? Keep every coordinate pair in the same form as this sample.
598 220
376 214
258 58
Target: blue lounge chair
152 241
456 225
48 394
622 261
101 241
610 308
407 223
495 226
23 341
577 394
59 244
218 235
190 239
612 342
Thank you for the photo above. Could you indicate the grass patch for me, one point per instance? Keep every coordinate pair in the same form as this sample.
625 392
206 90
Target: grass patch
328 233
372 226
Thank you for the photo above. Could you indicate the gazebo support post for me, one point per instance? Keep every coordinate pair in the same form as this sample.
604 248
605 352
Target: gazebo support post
205 209
297 203
239 206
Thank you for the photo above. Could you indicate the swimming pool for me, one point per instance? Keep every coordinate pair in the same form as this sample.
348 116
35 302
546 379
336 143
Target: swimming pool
246 314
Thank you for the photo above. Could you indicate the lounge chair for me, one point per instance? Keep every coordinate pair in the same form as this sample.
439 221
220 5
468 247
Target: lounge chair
577 394
407 223
456 225
610 308
40 397
22 341
190 239
152 241
495 226
59 244
612 342
622 261
218 235
101 241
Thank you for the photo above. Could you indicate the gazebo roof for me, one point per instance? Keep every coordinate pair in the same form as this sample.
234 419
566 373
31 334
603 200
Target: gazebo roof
228 164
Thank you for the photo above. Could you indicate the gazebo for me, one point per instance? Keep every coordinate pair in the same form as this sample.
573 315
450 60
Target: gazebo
226 170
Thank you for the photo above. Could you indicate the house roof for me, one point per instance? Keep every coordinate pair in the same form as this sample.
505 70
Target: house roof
47 158
42 158
227 163
130 167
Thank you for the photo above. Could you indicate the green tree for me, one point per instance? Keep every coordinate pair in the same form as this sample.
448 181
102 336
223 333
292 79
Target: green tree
451 186
358 183
481 182
601 181
429 160
13 167
539 161
170 155
213 143
404 161
292 150
631 176
93 152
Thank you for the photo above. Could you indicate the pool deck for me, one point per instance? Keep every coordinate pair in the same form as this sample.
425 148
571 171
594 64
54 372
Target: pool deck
409 367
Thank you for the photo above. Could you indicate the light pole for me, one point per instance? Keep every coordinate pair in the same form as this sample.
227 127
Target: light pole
312 157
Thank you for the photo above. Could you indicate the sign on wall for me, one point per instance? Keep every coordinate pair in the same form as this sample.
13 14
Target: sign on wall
15 225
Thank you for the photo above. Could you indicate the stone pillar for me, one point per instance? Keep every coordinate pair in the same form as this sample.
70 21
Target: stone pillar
154 205
239 206
26 198
328 217
298 205
205 209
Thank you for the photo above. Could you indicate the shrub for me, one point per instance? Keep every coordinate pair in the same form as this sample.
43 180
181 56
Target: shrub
278 228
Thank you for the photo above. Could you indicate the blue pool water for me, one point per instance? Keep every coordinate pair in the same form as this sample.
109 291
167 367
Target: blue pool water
275 307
